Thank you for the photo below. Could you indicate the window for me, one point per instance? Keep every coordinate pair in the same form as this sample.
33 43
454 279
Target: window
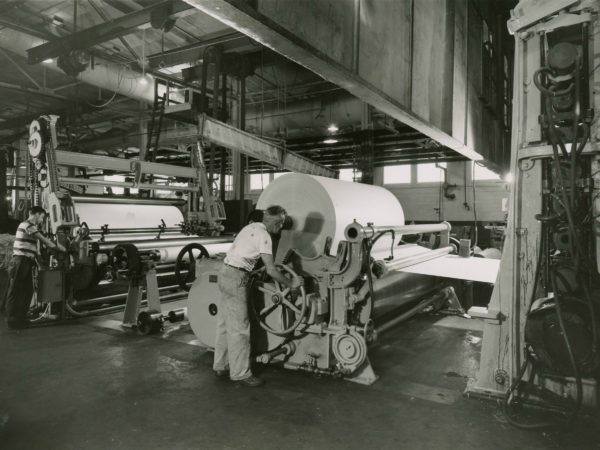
483 173
396 174
228 182
430 173
115 189
349 175
259 181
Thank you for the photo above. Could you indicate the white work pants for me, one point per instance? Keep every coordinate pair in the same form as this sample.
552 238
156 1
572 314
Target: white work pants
232 344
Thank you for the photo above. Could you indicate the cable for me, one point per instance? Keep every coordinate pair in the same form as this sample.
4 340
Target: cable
378 236
120 80
476 234
508 399
577 254
574 366
104 104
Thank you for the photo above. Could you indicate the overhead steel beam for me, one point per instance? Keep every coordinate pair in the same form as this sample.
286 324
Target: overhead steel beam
228 41
126 184
39 33
75 159
211 130
26 90
248 144
100 33
106 18
20 69
230 137
242 17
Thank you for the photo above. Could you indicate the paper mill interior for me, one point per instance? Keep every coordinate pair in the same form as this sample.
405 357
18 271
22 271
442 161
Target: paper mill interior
316 224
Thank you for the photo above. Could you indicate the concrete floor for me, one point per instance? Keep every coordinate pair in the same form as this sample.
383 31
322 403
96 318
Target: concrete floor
84 385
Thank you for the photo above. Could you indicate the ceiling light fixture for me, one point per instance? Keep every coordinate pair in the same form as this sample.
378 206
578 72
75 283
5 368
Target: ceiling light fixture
48 61
332 128
330 141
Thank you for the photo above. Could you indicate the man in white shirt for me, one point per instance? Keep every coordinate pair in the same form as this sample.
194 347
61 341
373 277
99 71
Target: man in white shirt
232 345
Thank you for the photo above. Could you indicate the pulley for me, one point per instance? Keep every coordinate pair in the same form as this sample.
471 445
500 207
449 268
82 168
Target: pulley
350 350
35 143
42 177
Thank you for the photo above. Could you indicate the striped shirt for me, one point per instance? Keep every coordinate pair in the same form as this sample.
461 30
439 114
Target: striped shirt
25 242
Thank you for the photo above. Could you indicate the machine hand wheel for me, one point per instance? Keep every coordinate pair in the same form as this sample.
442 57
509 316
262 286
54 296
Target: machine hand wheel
279 299
193 252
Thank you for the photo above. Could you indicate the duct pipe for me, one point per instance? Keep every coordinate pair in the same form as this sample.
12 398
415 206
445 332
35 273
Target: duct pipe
343 110
105 74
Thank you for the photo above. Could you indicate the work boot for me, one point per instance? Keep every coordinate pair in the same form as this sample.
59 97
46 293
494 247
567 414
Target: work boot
222 374
251 381
17 324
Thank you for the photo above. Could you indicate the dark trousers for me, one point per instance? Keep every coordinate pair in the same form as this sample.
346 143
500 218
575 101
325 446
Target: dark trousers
20 290
3 289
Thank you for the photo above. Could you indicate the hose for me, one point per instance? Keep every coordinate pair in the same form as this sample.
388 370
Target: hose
574 366
575 131
576 250
506 403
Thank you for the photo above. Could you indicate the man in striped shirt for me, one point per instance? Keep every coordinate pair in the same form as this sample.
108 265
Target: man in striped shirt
25 250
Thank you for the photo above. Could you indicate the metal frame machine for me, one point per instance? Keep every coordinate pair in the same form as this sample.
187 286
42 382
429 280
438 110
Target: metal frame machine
117 237
541 334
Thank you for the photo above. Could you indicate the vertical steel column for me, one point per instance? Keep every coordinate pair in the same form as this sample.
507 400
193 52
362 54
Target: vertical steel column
223 118
242 165
4 151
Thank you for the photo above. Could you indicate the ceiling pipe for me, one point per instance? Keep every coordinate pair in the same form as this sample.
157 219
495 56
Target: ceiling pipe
270 119
104 74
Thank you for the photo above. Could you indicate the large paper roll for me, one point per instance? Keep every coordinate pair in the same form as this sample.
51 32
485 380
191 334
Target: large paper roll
127 216
322 207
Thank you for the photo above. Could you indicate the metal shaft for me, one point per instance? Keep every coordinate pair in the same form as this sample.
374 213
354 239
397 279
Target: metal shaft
356 232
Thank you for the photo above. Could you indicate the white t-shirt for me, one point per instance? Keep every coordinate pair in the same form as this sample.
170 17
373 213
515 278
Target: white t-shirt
253 240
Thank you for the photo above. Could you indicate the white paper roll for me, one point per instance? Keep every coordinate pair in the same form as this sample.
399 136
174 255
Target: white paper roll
321 208
127 216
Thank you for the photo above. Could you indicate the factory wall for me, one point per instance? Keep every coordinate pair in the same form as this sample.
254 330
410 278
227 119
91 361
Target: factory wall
446 62
425 202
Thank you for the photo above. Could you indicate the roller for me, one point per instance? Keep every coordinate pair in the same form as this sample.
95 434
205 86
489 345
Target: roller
139 236
119 215
104 199
170 248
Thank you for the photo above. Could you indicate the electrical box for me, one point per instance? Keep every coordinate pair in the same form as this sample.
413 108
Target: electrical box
51 286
